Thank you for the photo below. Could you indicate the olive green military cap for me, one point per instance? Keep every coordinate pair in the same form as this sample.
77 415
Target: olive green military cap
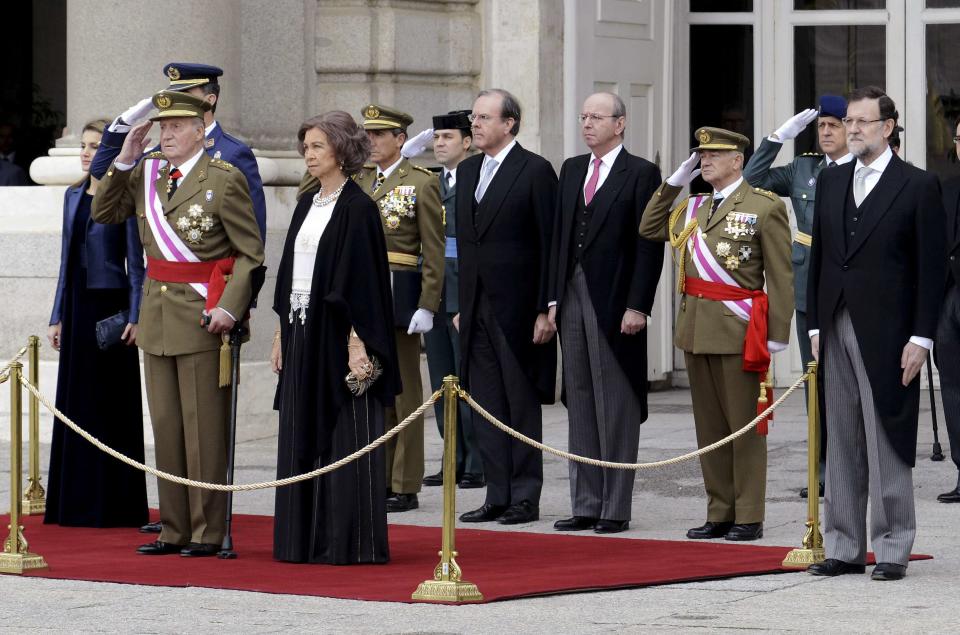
720 139
377 117
171 103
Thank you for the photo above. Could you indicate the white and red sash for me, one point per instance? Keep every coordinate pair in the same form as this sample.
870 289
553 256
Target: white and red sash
170 244
707 265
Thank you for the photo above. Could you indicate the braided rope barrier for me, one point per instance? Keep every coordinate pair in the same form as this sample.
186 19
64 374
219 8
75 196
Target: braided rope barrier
245 487
631 466
5 371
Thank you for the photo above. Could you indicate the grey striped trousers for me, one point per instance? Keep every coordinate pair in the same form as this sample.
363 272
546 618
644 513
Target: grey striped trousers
861 462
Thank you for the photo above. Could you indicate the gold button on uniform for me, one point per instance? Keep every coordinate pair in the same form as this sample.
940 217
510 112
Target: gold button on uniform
163 288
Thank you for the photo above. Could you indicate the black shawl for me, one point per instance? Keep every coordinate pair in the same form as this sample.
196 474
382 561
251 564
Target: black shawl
351 287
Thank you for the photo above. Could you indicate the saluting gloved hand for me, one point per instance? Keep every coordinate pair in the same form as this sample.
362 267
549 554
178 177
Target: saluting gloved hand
417 144
421 322
795 124
133 115
687 171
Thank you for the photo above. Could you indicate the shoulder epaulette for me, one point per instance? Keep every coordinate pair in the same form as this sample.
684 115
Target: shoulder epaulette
812 154
223 165
423 169
369 166
157 154
766 193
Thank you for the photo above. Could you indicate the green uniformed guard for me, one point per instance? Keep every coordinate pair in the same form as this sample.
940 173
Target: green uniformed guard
730 242
798 180
202 242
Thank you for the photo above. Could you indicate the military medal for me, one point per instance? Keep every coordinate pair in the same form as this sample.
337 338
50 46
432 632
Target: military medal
732 262
745 253
723 249
194 223
399 202
740 224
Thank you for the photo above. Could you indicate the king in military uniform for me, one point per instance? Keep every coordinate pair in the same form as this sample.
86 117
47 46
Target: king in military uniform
729 242
202 242
798 180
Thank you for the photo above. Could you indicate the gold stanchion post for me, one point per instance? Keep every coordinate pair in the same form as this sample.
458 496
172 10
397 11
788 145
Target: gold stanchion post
447 585
34 499
15 557
812 550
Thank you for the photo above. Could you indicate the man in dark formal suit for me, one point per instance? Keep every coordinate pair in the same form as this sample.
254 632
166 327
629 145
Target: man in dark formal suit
947 351
604 278
451 145
505 213
875 286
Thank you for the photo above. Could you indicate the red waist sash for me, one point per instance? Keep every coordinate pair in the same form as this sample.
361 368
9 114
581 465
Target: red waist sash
756 355
214 273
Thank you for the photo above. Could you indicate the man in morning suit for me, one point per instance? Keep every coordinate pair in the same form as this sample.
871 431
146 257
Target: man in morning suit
875 288
505 211
409 200
202 81
798 180
947 349
451 145
196 224
604 278
730 243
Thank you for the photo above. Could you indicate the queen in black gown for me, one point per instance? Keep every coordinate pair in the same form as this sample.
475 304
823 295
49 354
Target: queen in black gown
336 313
101 274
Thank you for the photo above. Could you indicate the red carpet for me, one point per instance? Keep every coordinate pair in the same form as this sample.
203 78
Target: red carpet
503 565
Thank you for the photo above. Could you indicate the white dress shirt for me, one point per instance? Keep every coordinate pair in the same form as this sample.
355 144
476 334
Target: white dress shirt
386 173
606 163
847 158
305 246
499 158
450 176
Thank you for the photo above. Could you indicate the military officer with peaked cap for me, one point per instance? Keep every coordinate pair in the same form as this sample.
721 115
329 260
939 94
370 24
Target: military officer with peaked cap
202 81
197 225
798 180
730 242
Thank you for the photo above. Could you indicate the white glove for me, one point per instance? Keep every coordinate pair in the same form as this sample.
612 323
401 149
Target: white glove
416 145
421 322
776 347
795 124
686 172
132 115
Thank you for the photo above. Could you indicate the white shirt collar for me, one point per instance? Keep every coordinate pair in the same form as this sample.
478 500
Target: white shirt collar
879 164
210 128
500 156
453 174
847 158
727 191
389 170
187 165
609 157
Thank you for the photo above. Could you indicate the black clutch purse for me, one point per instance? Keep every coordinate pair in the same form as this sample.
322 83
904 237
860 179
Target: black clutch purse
110 330
359 386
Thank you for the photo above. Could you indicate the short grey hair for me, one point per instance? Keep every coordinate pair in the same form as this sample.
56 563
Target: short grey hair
509 108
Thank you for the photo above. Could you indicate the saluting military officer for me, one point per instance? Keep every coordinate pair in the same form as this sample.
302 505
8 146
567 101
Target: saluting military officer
730 242
409 200
197 224
798 180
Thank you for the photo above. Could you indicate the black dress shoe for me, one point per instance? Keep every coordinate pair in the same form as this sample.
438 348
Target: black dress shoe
576 523
485 514
611 526
804 492
472 481
433 480
152 528
199 550
709 530
158 548
831 567
402 503
522 512
888 571
746 531
953 496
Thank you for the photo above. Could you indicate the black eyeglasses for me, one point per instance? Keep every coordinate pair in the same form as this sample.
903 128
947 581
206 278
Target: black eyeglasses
594 117
859 123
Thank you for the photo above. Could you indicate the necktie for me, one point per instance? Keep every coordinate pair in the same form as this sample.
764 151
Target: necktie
591 188
449 179
376 185
485 178
717 200
860 185
173 181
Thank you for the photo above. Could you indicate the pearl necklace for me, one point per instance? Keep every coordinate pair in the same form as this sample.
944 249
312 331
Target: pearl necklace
319 200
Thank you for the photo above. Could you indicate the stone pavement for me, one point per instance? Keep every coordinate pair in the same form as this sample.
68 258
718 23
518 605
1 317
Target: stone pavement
666 503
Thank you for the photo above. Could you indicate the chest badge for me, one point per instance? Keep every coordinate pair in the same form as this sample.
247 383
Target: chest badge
194 223
745 252
812 181
400 202
208 195
723 249
740 224
209 143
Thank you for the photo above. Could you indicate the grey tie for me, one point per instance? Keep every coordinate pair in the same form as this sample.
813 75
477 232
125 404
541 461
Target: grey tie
485 178
860 185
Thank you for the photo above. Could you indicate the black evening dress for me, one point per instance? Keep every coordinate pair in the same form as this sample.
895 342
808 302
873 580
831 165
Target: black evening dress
100 391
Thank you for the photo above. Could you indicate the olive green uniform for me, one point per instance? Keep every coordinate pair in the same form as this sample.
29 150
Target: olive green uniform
712 338
188 409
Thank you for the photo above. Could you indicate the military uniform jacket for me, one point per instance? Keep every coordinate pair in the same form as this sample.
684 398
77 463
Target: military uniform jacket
170 312
412 218
798 180
708 326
